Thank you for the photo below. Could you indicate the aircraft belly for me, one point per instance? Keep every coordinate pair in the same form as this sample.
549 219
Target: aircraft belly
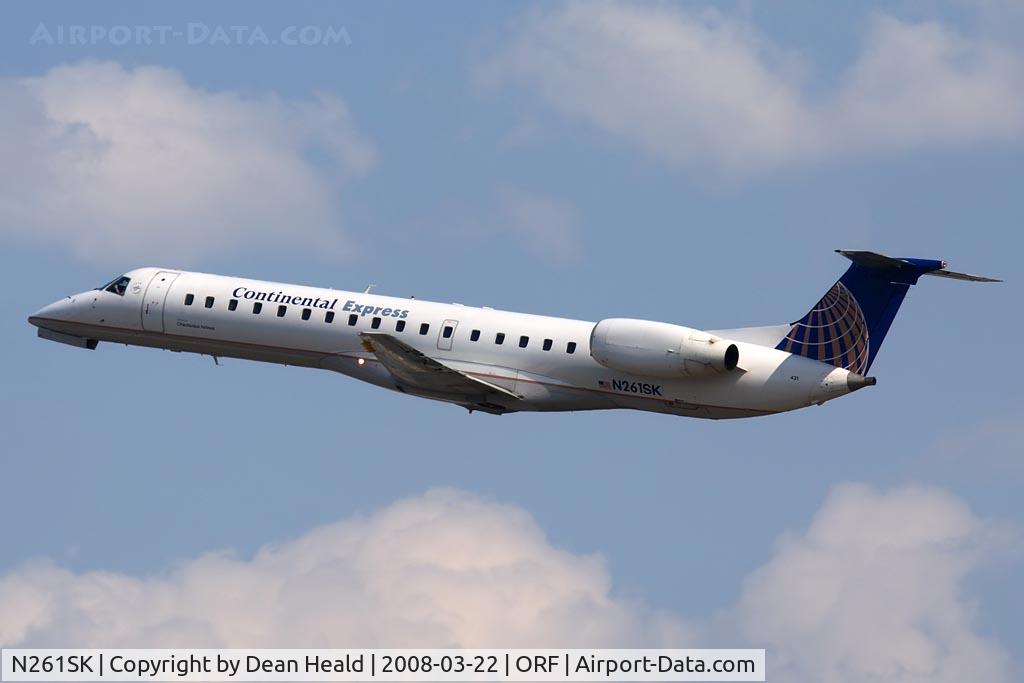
546 394
213 347
370 370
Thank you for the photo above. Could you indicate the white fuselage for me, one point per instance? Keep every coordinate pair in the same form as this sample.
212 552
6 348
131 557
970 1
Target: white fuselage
544 360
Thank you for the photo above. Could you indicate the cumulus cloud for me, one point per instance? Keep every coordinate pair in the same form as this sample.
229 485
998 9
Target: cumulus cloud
698 88
548 227
443 569
139 166
872 590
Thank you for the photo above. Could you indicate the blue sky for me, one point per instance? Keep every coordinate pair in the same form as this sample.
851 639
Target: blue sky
689 163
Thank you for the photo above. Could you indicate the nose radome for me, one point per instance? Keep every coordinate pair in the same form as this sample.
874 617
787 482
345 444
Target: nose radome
58 310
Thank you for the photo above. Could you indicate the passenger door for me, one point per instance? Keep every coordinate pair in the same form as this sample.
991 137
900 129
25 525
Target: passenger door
446 335
155 299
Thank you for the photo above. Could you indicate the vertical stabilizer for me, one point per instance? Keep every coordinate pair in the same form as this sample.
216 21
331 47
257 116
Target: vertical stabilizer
847 326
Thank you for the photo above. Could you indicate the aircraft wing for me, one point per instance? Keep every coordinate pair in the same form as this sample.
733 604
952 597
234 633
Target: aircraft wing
419 374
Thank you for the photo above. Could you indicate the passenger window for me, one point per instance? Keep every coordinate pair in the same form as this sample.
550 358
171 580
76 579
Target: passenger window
189 298
570 347
353 319
547 344
474 335
233 304
256 308
209 302
400 326
499 338
523 341
375 323
306 312
424 328
447 331
281 310
329 317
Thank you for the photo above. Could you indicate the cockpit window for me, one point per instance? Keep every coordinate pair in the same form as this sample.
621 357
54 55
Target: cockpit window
118 286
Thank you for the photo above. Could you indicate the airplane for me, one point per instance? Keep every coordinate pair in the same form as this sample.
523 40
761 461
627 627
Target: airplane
499 362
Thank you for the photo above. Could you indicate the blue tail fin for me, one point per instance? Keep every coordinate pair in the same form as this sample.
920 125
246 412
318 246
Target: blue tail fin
847 326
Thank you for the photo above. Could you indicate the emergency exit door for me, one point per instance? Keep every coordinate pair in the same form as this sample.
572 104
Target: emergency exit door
447 334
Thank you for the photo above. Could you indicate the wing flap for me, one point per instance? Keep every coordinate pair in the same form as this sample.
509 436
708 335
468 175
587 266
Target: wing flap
419 373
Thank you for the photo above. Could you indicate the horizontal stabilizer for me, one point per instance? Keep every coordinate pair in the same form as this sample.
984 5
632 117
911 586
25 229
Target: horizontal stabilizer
916 266
962 276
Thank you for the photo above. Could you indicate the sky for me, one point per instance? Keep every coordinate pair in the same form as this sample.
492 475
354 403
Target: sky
693 163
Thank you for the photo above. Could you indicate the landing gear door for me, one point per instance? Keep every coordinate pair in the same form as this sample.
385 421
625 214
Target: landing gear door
155 299
446 335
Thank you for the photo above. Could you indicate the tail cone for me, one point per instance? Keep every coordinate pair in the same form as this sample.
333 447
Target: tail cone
855 381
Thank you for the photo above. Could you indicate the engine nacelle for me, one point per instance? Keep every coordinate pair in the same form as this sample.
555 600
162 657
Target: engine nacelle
645 347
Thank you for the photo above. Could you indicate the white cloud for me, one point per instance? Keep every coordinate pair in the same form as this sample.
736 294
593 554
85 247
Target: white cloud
549 228
919 84
443 569
137 166
700 89
872 590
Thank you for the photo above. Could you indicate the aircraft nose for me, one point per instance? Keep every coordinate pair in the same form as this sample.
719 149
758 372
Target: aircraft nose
58 310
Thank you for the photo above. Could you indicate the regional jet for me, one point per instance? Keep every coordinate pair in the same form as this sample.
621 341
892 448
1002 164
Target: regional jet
498 361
